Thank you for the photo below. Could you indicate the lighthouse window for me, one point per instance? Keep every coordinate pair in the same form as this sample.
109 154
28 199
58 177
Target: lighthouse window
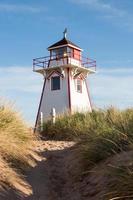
70 51
59 53
62 52
79 85
55 83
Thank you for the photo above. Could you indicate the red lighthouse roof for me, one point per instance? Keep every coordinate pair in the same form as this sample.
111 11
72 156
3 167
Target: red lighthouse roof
62 43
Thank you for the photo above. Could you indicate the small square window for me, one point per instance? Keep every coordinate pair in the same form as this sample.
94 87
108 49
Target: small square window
55 83
79 85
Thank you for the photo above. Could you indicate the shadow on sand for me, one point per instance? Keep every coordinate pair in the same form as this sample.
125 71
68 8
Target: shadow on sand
51 178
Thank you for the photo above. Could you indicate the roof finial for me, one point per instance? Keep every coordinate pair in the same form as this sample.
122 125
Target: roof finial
65 33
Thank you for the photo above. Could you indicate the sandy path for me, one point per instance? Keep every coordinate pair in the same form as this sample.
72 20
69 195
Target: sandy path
51 178
58 175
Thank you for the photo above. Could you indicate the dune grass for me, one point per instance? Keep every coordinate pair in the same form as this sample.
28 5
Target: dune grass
101 135
120 184
17 144
67 127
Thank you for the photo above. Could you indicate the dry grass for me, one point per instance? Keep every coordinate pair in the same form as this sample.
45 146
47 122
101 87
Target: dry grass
17 144
10 178
101 135
67 127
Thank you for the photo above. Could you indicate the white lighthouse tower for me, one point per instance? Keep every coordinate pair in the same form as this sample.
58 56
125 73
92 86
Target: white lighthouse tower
65 71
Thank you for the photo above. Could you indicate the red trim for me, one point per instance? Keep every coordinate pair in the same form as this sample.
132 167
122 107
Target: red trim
40 105
88 94
79 76
56 72
69 91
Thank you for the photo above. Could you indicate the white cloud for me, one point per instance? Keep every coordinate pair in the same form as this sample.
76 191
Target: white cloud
109 12
19 79
120 62
101 6
20 8
112 86
21 86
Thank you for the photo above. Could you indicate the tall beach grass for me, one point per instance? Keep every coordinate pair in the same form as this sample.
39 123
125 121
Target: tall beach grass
17 144
101 136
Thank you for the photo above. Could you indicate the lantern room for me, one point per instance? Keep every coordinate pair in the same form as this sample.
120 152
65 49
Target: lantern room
64 54
65 48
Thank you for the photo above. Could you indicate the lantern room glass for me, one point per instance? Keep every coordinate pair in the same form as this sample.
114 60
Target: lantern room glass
62 52
59 53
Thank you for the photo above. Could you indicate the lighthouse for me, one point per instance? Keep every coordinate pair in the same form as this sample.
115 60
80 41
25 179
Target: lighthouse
65 72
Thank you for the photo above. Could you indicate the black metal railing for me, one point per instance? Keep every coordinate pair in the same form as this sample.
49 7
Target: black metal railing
44 62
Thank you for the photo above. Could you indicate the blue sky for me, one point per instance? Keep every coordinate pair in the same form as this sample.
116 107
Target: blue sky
103 28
